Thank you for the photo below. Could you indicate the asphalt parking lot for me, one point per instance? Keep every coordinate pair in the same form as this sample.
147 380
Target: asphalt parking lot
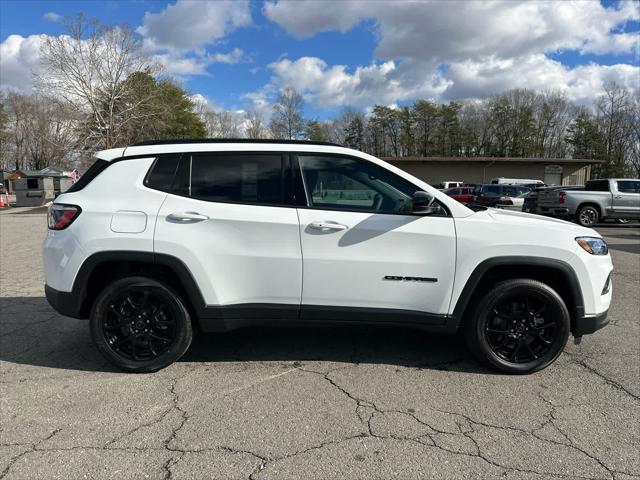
309 403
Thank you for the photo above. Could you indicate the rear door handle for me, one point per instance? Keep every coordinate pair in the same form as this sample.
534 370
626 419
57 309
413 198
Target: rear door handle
186 217
618 197
327 225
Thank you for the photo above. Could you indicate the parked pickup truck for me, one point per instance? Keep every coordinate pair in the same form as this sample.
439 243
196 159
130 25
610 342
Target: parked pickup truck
617 198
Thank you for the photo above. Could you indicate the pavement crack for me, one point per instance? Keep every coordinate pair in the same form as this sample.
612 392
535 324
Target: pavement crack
32 448
606 379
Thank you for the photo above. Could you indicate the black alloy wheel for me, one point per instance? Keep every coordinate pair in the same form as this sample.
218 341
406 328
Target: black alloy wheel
519 326
519 329
140 324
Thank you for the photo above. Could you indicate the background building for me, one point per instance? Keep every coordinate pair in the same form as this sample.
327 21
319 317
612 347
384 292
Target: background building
552 171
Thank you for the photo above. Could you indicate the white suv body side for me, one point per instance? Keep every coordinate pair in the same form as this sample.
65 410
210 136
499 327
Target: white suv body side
311 260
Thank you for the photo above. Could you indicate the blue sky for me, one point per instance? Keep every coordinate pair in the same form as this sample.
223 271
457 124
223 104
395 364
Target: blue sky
354 54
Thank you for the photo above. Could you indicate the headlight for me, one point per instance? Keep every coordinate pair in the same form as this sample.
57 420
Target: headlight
593 245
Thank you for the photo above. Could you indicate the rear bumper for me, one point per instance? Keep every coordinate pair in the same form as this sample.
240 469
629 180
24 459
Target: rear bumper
66 303
590 324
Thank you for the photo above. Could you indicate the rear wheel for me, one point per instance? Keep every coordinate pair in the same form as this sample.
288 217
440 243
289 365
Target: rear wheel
140 324
588 216
520 326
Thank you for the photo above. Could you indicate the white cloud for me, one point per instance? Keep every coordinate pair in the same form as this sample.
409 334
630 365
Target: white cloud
181 64
234 56
189 24
459 49
459 29
19 59
52 17
177 65
491 75
331 86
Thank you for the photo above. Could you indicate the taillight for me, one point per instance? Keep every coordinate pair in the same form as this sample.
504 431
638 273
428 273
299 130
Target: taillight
561 196
61 215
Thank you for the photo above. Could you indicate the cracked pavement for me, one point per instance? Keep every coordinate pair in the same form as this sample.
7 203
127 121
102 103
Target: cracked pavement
310 403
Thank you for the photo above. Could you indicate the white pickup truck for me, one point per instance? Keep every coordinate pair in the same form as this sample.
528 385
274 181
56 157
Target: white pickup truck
617 198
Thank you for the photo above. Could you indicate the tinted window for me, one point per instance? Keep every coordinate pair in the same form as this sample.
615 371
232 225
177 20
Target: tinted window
629 186
597 186
243 178
349 184
163 172
495 189
93 171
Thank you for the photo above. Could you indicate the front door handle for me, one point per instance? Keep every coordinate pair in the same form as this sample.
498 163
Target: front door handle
186 217
618 197
327 225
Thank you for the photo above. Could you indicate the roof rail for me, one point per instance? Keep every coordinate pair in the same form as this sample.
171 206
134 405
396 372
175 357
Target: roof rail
230 140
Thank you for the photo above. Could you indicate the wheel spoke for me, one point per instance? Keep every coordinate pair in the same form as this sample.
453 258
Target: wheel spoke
498 331
514 354
502 315
134 348
159 338
535 357
130 301
153 350
543 326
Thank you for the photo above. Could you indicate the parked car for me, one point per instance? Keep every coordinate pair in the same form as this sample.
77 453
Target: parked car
530 204
447 185
495 195
159 238
461 194
616 198
518 181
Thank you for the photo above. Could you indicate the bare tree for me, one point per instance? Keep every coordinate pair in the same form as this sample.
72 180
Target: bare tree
615 112
287 121
254 126
42 131
88 69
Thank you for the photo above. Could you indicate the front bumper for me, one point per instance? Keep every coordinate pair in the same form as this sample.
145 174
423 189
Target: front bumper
68 304
590 324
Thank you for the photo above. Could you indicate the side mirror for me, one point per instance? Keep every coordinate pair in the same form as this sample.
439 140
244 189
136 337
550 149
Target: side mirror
422 203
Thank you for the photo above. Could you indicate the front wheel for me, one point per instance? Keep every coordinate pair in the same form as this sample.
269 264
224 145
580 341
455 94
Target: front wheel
520 326
588 216
140 324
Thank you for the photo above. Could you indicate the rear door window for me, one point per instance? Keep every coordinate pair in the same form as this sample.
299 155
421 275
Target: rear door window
629 186
237 178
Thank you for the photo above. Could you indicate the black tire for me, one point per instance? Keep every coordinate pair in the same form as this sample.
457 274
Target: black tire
588 216
140 325
537 330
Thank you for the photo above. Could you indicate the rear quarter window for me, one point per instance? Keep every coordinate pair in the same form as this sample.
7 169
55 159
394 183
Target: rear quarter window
597 186
94 170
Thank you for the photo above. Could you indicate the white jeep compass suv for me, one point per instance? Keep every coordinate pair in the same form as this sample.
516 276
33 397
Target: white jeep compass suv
160 237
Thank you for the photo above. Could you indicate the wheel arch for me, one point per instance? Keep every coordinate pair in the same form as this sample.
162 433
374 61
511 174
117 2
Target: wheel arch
101 268
557 274
596 205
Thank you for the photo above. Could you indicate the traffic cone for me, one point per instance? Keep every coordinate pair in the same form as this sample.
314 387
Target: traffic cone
4 201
